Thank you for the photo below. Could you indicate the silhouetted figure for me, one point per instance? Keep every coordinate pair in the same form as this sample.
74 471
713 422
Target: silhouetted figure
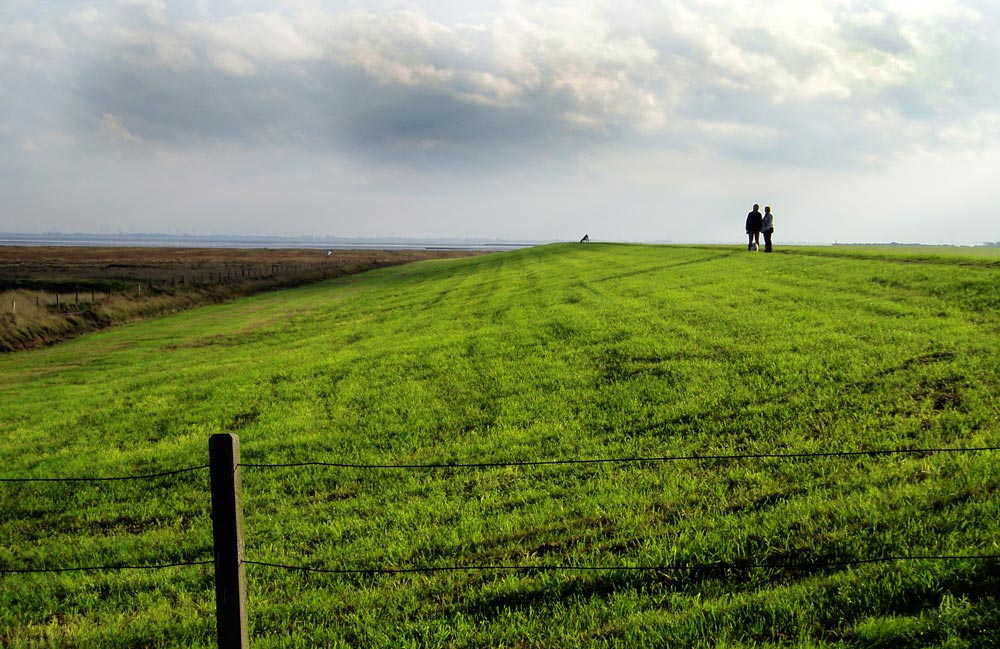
768 228
754 223
585 238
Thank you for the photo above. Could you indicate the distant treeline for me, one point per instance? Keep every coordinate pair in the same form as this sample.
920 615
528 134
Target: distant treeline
985 244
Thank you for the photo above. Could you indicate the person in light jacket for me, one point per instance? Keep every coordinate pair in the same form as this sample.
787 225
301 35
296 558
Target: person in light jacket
767 227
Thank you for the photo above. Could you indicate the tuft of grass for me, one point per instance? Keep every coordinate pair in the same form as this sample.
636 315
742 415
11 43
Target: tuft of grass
557 353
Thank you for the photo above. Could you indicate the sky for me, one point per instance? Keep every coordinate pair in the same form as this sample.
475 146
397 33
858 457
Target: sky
855 120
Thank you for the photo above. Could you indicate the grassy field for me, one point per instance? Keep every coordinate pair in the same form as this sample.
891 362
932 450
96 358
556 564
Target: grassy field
553 354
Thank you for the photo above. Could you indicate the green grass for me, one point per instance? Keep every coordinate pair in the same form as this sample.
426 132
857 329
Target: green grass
554 353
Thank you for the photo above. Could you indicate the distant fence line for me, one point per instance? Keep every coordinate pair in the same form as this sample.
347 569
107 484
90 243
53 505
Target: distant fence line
153 281
143 283
229 550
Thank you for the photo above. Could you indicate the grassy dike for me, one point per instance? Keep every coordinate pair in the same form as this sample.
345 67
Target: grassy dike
562 352
49 294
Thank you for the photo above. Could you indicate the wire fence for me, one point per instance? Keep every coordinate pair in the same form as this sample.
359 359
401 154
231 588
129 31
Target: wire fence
716 566
153 281
146 476
632 460
113 567
720 566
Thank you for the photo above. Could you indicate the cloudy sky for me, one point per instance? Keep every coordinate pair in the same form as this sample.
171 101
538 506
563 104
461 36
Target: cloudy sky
857 120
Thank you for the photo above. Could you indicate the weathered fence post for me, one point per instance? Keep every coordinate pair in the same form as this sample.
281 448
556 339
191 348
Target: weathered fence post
227 531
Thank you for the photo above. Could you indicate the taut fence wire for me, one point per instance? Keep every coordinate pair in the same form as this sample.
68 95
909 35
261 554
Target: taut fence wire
736 457
629 460
720 566
147 476
113 567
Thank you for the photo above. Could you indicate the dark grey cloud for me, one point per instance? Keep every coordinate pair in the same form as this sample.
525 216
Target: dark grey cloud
330 107
168 106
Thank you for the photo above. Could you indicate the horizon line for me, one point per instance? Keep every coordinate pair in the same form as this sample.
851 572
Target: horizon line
330 238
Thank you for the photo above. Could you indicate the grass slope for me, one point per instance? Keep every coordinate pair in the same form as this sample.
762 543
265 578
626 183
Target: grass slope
553 353
49 294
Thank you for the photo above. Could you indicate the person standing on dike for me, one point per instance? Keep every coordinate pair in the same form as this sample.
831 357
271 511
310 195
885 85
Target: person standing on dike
754 223
768 228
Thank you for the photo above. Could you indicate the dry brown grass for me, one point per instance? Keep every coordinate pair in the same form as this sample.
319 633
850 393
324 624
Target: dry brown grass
49 294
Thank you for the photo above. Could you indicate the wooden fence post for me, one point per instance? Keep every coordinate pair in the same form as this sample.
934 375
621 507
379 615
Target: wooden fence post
230 550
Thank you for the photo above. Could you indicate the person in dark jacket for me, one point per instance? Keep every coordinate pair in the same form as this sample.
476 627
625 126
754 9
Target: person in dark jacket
754 223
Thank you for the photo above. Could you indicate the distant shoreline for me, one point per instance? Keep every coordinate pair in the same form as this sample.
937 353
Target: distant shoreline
230 241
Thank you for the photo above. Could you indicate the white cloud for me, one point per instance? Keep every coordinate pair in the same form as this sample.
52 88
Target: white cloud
136 31
233 63
29 45
113 130
255 40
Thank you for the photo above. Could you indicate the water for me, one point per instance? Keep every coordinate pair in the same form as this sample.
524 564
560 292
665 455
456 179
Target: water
229 241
